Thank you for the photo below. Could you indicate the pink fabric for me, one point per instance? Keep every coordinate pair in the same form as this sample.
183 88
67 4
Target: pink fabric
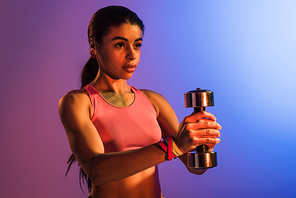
124 128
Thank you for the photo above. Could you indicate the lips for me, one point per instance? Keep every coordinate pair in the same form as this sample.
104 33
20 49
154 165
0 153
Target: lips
129 68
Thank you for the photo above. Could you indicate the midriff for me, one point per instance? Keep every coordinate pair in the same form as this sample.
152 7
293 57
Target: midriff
144 184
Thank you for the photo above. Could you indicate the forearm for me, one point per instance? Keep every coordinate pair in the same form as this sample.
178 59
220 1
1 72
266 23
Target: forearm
110 167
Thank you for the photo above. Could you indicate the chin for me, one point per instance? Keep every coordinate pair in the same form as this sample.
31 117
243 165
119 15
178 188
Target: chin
127 77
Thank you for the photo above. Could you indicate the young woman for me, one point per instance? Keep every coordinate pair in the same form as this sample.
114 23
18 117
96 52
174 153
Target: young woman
115 130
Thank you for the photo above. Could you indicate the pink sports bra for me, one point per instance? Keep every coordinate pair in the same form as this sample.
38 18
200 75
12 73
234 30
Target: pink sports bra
124 128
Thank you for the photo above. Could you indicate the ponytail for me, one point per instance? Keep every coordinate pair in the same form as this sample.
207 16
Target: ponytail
89 72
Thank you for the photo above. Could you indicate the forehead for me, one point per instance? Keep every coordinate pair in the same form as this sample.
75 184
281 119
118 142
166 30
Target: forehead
126 30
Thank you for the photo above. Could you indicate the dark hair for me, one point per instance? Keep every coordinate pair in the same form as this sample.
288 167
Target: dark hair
99 26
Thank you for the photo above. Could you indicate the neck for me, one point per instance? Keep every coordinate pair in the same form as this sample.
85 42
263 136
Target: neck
107 84
116 92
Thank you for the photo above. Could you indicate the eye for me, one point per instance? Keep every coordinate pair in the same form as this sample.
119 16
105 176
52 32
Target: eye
119 45
138 45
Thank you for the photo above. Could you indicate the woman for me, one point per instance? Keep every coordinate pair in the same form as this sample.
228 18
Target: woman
115 130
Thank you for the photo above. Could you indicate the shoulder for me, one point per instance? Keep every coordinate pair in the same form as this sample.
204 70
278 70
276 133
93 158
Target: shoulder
74 96
158 101
152 94
75 100
74 107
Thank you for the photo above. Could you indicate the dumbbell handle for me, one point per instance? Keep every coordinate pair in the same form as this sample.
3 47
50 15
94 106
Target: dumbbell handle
201 148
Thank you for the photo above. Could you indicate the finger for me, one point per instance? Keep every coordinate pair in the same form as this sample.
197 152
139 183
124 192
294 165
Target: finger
211 147
197 116
209 123
210 142
209 133
204 133
203 124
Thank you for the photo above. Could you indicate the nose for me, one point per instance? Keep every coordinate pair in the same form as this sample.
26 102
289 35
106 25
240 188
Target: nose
131 54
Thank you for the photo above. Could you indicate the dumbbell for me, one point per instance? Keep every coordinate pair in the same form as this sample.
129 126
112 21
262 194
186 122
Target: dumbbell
200 157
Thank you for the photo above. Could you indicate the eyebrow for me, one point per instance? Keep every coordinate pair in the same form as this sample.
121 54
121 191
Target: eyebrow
125 39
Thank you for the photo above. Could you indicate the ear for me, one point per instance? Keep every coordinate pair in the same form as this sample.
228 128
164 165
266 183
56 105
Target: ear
92 45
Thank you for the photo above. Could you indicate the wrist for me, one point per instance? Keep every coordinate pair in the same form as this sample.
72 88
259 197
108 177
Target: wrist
171 148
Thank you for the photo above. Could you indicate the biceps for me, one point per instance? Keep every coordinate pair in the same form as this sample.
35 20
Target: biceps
83 137
85 143
168 120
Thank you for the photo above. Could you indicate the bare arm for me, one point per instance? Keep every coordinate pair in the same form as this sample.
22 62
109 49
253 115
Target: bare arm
88 149
196 129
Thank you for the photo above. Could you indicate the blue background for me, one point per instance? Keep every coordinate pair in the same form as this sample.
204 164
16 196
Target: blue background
241 50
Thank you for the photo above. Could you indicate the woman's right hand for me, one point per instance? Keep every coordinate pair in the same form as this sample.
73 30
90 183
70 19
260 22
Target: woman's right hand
197 129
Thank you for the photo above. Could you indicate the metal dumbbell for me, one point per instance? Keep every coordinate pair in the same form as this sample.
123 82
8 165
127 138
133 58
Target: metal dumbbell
201 157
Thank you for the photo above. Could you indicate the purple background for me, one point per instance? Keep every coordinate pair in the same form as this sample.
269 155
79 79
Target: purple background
242 50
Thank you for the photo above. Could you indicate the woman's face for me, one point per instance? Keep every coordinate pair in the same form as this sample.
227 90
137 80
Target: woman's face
119 53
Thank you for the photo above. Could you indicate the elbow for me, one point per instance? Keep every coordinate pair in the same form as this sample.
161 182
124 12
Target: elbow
96 174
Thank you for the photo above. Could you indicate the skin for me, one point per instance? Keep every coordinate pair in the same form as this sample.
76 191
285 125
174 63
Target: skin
133 173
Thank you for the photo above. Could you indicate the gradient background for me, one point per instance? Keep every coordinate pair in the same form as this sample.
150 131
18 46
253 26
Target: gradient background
242 50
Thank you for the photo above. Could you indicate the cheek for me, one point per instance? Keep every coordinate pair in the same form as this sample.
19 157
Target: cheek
106 58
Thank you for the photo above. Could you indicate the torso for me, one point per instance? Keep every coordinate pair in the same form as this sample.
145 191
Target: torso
144 184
